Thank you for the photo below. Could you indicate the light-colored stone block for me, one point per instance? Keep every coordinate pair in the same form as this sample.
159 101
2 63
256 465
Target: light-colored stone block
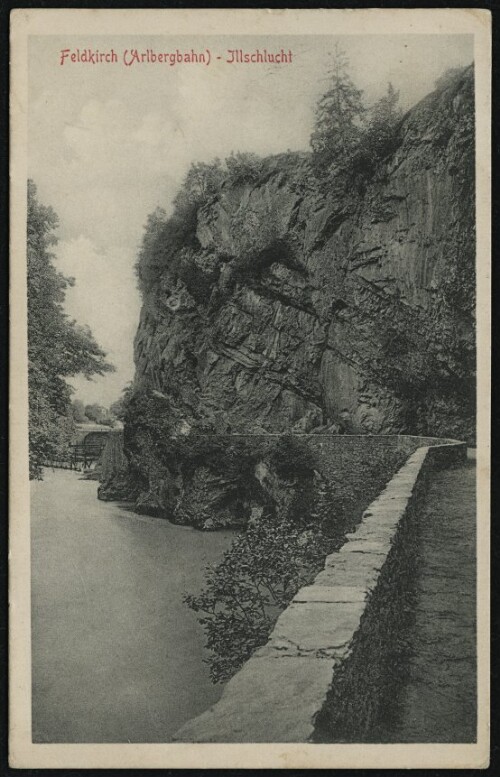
352 569
326 593
318 626
376 547
267 701
373 528
349 577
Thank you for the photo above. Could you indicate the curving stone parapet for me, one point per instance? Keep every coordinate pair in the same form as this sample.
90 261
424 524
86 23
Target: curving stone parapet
331 661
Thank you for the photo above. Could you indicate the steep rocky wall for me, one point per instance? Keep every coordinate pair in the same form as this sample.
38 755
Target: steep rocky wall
361 300
218 481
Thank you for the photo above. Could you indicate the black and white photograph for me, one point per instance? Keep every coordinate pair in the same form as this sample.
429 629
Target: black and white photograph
251 388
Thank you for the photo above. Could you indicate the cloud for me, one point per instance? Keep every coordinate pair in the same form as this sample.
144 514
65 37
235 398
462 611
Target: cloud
106 146
104 298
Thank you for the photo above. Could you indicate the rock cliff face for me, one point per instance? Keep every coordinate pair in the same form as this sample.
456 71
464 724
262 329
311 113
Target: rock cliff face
299 302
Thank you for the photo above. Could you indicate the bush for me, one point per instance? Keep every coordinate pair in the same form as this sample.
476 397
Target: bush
244 168
164 239
283 550
292 458
256 579
202 182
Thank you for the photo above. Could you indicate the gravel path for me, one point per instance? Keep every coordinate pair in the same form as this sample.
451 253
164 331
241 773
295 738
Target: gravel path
438 703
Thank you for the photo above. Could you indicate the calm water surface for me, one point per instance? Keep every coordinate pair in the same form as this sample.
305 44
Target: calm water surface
116 654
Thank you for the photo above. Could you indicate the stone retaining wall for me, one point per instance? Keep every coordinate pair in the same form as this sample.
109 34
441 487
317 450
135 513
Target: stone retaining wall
331 661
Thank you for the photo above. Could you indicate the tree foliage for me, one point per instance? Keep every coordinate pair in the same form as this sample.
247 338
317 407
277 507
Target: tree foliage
168 241
202 181
98 414
78 411
57 347
339 112
256 579
292 458
163 241
118 408
350 138
243 168
170 247
380 135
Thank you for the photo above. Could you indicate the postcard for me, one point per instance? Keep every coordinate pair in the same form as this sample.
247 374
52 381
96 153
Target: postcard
250 301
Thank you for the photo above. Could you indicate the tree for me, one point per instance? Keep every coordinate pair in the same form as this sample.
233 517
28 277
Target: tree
339 113
78 411
163 241
57 346
118 408
449 77
381 134
96 413
201 182
243 168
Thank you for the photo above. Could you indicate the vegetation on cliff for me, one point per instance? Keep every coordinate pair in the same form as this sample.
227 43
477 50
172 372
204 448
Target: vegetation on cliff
348 139
280 292
57 346
274 298
319 271
339 114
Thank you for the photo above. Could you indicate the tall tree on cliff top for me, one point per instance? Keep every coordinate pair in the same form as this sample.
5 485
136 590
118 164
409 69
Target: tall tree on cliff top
339 112
380 137
57 346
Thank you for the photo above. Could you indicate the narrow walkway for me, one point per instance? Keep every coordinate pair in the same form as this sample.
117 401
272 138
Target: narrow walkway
438 703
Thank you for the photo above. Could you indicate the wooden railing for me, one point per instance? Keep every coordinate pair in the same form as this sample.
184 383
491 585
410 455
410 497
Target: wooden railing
83 453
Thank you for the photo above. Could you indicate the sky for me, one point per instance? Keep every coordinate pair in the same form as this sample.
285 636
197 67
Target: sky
110 143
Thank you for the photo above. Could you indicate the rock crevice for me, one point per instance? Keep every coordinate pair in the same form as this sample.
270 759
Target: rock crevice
361 301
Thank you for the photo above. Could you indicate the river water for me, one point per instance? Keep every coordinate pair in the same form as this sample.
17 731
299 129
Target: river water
116 655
